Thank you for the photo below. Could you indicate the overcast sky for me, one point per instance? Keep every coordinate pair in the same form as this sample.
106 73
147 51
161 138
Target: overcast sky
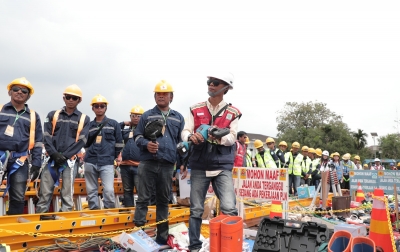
343 53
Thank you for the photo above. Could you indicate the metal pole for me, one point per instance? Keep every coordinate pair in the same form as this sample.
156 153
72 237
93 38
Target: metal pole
374 147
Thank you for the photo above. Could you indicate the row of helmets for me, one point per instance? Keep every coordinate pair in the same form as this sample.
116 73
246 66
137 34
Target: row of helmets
258 144
161 87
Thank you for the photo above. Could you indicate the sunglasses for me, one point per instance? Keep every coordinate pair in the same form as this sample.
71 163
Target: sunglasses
23 90
96 106
69 97
133 115
269 143
215 82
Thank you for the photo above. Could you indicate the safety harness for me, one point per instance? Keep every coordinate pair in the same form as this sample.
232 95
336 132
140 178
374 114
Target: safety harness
71 162
21 156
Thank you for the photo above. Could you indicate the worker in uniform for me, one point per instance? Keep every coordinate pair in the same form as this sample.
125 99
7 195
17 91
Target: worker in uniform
241 150
357 162
130 156
305 166
103 148
311 157
377 165
213 158
277 155
315 156
157 135
263 157
347 165
249 153
65 133
283 148
21 135
294 168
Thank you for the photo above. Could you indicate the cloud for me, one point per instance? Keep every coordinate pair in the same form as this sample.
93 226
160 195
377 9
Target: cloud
344 54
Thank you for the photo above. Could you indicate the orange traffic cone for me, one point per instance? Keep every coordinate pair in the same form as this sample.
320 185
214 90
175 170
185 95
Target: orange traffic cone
215 233
359 193
340 241
379 228
276 209
232 234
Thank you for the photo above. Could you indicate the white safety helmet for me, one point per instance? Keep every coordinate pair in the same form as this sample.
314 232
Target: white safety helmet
377 160
325 153
227 77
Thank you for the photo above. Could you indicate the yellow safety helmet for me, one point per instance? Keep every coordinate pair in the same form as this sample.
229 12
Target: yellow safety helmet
311 150
283 143
22 82
247 141
99 99
318 151
304 148
73 90
335 154
366 165
346 156
398 164
258 144
357 157
270 140
163 87
137 109
295 145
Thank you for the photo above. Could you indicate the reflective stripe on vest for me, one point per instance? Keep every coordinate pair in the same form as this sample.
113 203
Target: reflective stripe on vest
314 164
248 159
239 157
295 165
80 125
21 159
267 161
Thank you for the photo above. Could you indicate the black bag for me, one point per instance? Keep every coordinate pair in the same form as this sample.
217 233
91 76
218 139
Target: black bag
155 127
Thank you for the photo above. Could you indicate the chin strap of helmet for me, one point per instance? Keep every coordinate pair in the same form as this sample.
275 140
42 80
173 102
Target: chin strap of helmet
212 94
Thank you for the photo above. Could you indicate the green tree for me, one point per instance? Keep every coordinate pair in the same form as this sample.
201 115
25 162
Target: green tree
314 125
360 139
390 146
304 116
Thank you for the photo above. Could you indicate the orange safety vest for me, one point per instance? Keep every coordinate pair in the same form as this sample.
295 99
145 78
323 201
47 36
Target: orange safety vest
80 125
31 132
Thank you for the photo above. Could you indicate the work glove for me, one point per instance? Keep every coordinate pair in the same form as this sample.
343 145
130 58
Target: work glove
58 158
34 172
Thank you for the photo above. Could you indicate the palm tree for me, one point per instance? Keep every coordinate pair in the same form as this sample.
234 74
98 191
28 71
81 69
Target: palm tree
360 139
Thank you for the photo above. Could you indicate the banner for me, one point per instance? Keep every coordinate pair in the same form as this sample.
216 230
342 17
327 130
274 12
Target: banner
384 179
262 183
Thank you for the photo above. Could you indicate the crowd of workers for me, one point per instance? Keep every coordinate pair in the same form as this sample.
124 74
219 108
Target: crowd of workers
145 149
304 165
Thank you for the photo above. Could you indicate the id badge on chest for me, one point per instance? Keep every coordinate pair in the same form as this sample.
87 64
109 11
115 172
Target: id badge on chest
98 139
130 134
9 131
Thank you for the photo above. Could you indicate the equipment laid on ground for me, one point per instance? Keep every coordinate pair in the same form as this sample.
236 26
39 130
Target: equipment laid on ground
286 235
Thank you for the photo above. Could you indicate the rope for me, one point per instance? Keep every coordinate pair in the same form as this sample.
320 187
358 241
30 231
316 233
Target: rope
63 244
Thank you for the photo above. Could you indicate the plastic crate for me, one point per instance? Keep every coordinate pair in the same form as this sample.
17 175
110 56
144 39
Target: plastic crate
277 234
